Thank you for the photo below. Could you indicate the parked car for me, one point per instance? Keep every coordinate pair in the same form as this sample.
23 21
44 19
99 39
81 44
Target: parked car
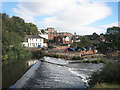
66 50
70 49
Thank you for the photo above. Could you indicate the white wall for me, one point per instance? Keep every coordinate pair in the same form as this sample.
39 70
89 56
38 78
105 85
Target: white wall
34 42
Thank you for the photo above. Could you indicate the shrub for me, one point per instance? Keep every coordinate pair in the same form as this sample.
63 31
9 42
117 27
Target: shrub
92 56
76 58
37 55
55 56
95 61
102 61
88 61
4 57
108 74
84 61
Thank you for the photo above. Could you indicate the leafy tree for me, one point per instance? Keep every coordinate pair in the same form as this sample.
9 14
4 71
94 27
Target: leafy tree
84 42
113 37
112 40
14 30
43 31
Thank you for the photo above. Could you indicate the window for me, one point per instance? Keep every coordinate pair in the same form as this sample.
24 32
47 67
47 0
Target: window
67 38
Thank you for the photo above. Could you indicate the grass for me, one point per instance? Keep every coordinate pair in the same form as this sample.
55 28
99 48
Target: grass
107 85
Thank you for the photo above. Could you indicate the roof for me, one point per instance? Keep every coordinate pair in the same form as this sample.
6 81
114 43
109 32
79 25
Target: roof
32 36
62 36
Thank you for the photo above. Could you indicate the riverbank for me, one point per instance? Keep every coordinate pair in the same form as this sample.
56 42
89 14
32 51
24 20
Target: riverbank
107 85
73 56
113 55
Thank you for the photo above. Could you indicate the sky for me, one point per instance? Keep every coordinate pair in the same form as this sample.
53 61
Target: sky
81 16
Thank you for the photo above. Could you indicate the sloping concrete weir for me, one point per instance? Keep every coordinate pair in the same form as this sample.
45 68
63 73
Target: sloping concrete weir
57 73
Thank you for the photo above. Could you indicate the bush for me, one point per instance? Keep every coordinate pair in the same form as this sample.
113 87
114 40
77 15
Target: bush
108 74
37 55
92 56
95 61
102 61
84 61
55 56
88 61
4 57
76 58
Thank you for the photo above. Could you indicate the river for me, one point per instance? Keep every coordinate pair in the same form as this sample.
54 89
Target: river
60 73
12 71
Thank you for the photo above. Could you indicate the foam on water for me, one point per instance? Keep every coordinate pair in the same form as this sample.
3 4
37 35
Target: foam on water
56 61
82 76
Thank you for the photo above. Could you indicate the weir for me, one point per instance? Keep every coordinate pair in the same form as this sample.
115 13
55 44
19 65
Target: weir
57 73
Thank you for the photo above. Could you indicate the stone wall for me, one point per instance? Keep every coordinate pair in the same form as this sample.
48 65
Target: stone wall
61 47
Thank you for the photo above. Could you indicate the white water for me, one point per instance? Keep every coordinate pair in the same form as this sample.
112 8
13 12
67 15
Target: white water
82 70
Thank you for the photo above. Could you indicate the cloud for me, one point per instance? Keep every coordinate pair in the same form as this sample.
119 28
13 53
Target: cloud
110 25
65 15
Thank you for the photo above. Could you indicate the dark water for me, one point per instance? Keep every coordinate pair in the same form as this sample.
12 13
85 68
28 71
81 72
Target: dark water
58 73
13 71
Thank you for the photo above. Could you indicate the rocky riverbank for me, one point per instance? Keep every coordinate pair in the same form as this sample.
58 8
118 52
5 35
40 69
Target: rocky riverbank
71 55
113 55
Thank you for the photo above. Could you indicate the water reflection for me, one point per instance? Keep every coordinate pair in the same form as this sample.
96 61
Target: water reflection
30 62
13 71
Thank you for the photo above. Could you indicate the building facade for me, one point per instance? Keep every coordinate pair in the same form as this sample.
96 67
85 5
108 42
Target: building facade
53 33
62 40
34 41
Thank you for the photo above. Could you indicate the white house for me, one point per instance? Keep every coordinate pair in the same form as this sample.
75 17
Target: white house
34 41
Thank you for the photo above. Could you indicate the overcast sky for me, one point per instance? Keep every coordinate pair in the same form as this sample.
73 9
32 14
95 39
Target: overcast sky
81 16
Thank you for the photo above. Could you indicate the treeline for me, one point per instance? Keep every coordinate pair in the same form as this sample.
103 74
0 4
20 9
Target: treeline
112 42
84 42
14 30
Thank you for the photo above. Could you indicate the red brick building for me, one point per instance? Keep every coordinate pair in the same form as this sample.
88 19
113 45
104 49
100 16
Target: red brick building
62 40
53 33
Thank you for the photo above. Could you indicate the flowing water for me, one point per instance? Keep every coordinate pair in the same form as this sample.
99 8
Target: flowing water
59 73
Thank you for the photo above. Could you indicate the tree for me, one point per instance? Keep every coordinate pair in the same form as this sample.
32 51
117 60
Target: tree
113 37
14 30
43 31
84 42
112 40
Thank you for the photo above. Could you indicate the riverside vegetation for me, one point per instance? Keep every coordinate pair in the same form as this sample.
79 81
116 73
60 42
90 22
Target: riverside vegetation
14 30
108 75
14 56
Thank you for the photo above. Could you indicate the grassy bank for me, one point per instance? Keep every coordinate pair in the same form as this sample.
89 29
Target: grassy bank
107 85
108 75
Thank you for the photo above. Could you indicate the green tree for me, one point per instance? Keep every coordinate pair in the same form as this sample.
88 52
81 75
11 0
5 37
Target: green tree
84 42
112 40
14 30
43 31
